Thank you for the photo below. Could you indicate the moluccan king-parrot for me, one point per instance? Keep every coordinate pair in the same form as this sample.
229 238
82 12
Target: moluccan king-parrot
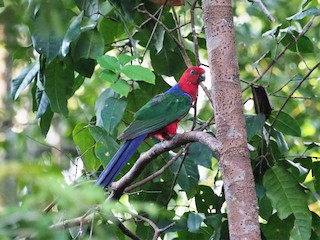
157 118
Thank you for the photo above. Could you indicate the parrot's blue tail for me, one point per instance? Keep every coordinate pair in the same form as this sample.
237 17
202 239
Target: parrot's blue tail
119 160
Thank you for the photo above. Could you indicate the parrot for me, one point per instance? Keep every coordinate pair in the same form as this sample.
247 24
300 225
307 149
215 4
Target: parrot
158 118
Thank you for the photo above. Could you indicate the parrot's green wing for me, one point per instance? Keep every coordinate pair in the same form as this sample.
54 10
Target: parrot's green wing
160 111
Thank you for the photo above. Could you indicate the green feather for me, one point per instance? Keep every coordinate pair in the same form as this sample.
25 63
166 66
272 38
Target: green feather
160 111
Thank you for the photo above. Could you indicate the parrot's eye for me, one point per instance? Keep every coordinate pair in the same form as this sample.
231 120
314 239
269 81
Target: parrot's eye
193 72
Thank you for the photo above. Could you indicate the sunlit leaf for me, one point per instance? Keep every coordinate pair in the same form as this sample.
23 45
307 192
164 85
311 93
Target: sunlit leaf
109 62
124 59
121 86
139 73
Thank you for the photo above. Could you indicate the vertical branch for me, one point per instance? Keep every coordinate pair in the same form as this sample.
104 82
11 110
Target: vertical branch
239 188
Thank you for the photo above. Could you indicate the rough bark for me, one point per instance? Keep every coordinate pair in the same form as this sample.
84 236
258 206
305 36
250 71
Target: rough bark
242 208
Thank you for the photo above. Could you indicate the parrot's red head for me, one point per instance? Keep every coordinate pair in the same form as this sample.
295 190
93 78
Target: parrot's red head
190 80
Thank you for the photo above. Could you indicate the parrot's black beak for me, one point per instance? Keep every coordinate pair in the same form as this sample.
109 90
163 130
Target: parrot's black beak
201 78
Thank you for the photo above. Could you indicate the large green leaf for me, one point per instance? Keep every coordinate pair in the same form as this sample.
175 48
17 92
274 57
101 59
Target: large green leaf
279 138
139 73
109 62
188 175
58 78
286 124
254 124
46 37
90 45
206 200
90 8
216 222
121 86
277 228
83 139
194 221
24 79
72 34
303 44
106 147
168 61
109 111
200 154
45 121
43 103
288 198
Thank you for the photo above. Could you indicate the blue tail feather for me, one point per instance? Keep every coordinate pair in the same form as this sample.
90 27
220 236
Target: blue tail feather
119 160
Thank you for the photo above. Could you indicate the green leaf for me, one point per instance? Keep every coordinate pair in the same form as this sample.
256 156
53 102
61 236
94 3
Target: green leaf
194 221
110 111
90 45
216 222
109 62
167 62
288 198
72 34
139 73
121 86
43 103
124 59
254 124
108 76
188 175
90 8
206 200
279 138
45 39
309 12
84 66
58 76
24 79
106 147
159 38
200 154
303 44
83 139
45 121
286 124
277 228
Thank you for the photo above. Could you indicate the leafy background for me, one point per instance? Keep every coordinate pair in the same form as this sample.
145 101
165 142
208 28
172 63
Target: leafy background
80 69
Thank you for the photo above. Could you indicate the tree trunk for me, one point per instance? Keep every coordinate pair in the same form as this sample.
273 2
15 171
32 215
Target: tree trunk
239 187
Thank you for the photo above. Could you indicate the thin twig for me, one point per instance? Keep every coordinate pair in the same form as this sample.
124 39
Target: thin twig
154 175
157 230
264 9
